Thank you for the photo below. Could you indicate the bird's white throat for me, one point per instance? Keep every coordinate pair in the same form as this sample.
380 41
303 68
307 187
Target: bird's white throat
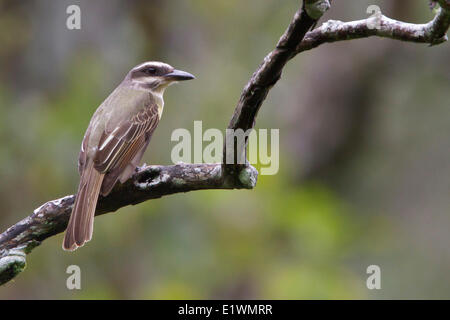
159 99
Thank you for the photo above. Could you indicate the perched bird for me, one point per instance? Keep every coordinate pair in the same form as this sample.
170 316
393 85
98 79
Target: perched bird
116 139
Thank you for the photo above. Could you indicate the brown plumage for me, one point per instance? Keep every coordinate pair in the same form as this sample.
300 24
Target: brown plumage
115 141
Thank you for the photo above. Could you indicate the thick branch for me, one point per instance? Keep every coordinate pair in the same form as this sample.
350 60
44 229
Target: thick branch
149 182
268 73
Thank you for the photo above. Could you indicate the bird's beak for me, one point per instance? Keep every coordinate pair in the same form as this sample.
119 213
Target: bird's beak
178 75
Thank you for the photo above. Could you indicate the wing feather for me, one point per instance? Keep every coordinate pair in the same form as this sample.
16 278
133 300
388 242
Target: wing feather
118 148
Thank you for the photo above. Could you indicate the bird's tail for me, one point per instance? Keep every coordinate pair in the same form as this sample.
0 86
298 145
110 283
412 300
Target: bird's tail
81 223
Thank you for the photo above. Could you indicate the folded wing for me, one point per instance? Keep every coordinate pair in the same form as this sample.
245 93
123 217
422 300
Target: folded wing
120 150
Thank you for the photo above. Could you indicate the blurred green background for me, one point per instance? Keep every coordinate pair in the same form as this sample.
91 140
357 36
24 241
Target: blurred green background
364 153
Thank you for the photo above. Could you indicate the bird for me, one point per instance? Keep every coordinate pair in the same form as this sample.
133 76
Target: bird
116 139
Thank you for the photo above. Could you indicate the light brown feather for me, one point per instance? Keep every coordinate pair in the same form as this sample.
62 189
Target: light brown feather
81 223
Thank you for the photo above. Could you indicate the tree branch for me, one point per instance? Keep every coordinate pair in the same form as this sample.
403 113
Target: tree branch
267 74
433 32
153 182
149 182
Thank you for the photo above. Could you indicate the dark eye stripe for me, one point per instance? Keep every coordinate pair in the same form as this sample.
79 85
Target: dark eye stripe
150 70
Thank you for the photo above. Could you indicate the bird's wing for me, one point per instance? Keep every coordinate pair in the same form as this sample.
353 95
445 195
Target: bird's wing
82 158
118 147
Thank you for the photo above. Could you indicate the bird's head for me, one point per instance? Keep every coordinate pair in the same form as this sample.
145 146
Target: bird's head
156 76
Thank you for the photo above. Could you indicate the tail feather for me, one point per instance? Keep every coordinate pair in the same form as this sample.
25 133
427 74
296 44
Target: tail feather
81 223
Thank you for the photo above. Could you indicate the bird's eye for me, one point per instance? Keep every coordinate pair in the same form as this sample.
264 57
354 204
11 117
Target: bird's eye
150 70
